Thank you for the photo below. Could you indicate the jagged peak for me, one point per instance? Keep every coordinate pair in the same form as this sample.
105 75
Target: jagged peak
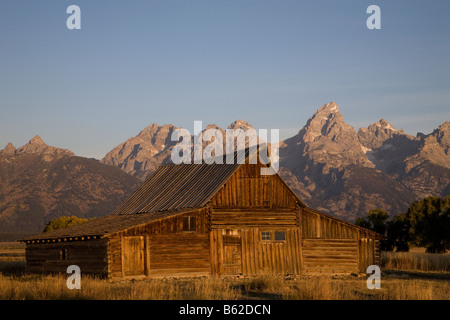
150 128
34 144
330 107
327 121
444 126
9 148
240 124
212 126
327 112
153 129
442 134
383 124
37 140
37 146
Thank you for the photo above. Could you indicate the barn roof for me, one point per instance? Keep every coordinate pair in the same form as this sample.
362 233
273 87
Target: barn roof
99 227
175 187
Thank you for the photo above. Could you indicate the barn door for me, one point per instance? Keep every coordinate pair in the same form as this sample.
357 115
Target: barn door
232 262
133 256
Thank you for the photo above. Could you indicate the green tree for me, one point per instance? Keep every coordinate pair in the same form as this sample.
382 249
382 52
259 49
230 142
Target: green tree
429 221
375 220
398 235
363 222
426 223
63 222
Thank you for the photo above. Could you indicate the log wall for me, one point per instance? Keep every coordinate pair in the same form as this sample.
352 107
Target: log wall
228 218
330 255
90 256
179 254
369 253
333 246
166 248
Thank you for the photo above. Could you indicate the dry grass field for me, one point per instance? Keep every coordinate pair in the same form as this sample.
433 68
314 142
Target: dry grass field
405 276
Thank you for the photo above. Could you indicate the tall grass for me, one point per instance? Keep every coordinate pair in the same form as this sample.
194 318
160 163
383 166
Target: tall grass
12 265
269 287
16 285
409 261
36 287
350 288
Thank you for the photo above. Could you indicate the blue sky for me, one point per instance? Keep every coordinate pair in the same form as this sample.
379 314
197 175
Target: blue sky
271 63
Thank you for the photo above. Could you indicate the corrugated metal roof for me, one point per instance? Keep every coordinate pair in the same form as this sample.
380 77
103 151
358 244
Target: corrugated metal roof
105 225
174 187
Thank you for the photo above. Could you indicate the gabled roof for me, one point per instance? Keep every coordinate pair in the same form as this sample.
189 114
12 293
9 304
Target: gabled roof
174 187
182 186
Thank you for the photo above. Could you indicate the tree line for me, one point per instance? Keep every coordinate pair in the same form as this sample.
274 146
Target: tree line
426 223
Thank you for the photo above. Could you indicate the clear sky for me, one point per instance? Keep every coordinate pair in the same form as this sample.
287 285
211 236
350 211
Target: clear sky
269 62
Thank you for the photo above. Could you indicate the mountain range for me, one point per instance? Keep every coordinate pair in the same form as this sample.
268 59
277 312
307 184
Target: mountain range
329 164
346 172
39 183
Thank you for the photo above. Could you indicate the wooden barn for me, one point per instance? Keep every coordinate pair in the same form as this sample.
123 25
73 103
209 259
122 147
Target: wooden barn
207 219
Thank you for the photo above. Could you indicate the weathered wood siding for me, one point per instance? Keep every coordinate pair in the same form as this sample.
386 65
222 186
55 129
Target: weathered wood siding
333 246
228 218
246 205
330 255
179 254
317 226
133 255
369 253
55 257
164 248
248 188
241 251
237 247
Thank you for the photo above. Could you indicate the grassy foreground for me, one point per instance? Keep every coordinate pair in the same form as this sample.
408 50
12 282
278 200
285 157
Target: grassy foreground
416 276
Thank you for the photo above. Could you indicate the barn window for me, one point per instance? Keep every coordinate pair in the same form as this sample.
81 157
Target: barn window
265 235
189 224
63 254
280 236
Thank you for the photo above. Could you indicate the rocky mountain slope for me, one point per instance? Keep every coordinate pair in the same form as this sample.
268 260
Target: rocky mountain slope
152 147
39 182
333 167
420 163
142 154
334 171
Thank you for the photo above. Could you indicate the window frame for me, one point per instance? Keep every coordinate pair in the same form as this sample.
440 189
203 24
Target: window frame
191 224
63 254
272 235
275 235
264 233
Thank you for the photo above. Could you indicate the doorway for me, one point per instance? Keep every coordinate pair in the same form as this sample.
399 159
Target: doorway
232 252
133 256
